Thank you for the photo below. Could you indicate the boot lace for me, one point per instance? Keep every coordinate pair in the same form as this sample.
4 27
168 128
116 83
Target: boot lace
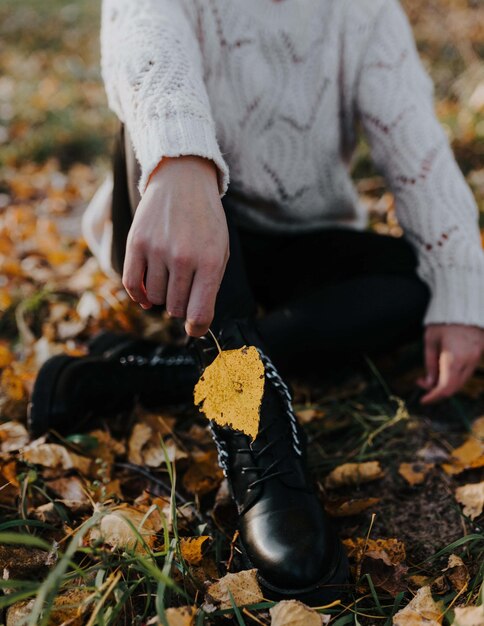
267 473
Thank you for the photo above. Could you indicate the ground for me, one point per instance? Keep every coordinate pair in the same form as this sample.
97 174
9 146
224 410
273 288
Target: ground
404 510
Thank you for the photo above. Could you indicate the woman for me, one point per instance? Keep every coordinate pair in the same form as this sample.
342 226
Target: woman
269 92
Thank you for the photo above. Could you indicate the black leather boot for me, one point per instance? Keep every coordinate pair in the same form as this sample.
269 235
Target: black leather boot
284 531
69 391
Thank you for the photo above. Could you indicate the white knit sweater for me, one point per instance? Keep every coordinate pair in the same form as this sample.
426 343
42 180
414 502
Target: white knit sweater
271 91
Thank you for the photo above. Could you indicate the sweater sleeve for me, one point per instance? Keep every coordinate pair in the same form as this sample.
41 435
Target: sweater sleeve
152 71
434 204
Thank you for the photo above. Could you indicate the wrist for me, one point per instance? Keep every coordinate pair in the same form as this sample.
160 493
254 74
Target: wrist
187 164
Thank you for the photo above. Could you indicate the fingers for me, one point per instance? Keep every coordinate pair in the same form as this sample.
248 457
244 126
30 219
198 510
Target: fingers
156 282
133 275
454 370
201 306
180 279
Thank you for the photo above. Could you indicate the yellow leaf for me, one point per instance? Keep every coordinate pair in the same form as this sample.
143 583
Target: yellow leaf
390 551
243 587
192 548
230 390
345 508
471 496
422 610
181 616
470 455
354 474
294 613
414 473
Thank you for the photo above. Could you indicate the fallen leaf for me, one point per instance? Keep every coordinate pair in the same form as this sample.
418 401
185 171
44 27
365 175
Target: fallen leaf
144 447
13 436
415 473
6 356
354 474
345 508
390 551
9 484
71 492
192 548
295 613
115 530
469 616
306 416
230 389
471 497
181 616
204 474
470 455
243 586
68 609
55 456
457 572
108 448
422 610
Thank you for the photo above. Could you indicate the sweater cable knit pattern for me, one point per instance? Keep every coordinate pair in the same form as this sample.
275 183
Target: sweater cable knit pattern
273 92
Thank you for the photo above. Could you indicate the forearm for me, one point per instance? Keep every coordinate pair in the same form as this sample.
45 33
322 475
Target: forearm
152 72
433 201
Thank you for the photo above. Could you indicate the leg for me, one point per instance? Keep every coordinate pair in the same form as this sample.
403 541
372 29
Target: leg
337 293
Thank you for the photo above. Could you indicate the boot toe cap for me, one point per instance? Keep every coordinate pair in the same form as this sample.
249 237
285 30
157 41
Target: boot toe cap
292 549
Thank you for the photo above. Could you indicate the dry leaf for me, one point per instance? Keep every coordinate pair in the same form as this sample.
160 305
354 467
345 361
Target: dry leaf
469 616
345 508
456 572
13 436
204 474
192 548
414 473
422 610
68 609
144 447
354 474
243 586
306 416
181 616
115 530
230 389
294 613
71 492
471 497
390 551
9 484
108 448
470 455
55 456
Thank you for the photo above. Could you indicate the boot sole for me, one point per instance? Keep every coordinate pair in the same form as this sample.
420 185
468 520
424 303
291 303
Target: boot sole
331 587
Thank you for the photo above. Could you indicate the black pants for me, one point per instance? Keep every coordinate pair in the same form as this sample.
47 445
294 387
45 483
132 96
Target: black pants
333 292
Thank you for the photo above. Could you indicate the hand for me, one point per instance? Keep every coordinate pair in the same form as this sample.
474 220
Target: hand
452 352
178 244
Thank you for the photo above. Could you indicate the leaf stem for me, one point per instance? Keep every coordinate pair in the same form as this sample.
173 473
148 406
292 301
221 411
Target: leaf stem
216 342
